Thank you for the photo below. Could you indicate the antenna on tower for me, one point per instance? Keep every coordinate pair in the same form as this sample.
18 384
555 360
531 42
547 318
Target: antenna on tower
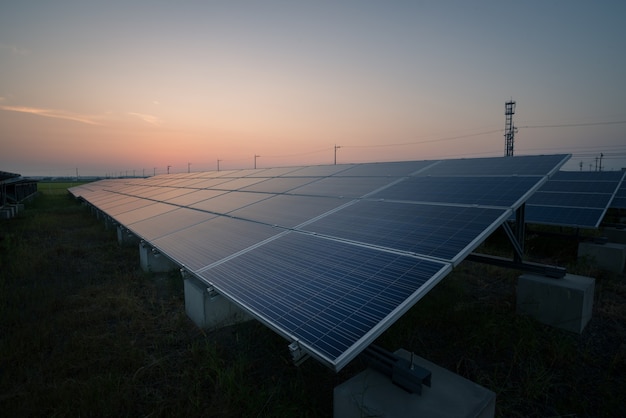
509 128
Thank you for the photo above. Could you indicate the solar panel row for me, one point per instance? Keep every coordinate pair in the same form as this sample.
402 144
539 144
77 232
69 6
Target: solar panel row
574 198
328 256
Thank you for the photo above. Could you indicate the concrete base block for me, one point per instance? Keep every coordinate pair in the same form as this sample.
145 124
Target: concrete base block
371 394
564 303
609 256
208 310
615 235
154 262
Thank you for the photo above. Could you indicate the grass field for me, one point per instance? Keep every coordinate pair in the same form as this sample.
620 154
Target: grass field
84 332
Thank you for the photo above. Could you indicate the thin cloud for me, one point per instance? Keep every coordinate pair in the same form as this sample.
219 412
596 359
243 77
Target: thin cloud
51 113
151 119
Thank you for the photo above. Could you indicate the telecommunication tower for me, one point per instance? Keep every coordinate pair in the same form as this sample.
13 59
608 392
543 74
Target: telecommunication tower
509 128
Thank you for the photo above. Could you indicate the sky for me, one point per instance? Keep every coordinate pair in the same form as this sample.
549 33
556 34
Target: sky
112 87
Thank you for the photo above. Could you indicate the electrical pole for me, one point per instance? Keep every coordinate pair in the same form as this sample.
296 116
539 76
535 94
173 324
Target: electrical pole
188 167
336 148
255 157
168 169
509 128
154 171
218 164
581 166
601 155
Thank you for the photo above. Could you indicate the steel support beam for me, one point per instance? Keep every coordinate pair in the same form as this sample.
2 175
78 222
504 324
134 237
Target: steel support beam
542 269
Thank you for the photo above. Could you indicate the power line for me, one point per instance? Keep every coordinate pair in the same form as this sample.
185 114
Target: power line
572 125
451 138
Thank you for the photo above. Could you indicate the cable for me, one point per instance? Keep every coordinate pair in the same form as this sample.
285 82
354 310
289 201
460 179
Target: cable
568 125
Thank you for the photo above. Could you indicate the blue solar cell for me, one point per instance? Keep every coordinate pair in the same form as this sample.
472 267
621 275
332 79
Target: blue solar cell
278 184
430 230
580 186
288 210
588 175
345 187
202 244
582 200
327 294
487 191
574 217
392 169
168 223
532 165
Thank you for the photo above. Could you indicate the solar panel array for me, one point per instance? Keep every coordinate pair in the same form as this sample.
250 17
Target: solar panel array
327 256
574 198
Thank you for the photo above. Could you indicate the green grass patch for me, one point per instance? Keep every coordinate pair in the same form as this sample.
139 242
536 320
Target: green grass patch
84 332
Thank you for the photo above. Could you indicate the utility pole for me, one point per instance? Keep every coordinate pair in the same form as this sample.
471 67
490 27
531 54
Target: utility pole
154 171
168 169
188 167
336 148
596 163
509 128
255 157
601 155
218 164
581 166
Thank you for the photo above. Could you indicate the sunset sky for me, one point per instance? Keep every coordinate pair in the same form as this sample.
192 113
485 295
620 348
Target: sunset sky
131 87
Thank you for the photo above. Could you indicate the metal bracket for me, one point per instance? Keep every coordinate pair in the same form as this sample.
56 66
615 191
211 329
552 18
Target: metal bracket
298 355
212 292
403 373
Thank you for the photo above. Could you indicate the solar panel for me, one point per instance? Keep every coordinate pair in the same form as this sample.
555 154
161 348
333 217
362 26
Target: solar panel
327 256
619 201
488 191
577 199
444 232
288 211
329 295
